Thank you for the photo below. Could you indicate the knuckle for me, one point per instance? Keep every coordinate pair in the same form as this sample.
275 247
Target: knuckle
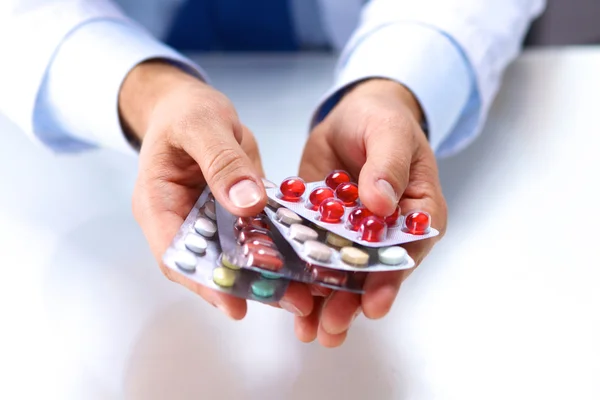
391 120
188 123
205 114
396 169
218 108
222 163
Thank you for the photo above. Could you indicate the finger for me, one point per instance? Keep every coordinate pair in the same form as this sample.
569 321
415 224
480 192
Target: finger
306 328
424 191
233 178
329 340
339 312
385 175
251 149
297 299
320 291
381 289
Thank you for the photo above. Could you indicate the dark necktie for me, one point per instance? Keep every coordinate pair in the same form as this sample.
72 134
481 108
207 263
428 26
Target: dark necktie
233 25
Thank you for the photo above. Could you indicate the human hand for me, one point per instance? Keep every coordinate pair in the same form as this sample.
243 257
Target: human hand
192 137
373 133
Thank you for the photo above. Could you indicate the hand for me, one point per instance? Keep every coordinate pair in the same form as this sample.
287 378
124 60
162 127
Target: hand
373 133
191 137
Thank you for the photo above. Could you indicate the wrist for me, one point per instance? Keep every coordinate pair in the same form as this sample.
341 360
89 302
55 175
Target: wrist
142 88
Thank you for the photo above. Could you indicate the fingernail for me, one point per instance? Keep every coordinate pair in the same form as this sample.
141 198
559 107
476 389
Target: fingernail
245 194
289 307
386 189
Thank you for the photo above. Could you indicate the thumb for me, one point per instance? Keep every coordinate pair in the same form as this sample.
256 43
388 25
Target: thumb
232 177
385 175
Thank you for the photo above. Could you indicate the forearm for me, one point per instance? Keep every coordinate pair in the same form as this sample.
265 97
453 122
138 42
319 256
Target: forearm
79 55
30 33
451 54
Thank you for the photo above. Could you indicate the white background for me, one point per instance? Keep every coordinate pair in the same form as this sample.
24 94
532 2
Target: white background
506 307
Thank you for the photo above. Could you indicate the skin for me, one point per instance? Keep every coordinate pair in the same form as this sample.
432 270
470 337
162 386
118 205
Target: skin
374 133
191 136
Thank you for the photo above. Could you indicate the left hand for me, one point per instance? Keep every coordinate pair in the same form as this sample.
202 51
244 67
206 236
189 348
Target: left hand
373 133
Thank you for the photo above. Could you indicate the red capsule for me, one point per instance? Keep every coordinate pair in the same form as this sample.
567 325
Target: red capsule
331 210
417 223
392 220
254 229
249 233
317 195
329 276
253 247
259 242
335 178
373 229
258 221
265 258
347 193
292 189
356 216
241 223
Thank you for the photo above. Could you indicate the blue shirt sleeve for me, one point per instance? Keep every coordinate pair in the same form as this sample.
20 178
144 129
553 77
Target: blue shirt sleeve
425 60
77 105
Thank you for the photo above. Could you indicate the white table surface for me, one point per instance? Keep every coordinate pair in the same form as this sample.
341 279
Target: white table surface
506 307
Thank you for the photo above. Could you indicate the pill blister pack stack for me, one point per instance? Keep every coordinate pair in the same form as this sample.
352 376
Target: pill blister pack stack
196 253
316 233
327 226
256 244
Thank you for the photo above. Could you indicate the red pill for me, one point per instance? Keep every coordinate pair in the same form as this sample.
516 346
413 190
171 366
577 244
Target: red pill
317 196
292 189
257 221
331 210
248 234
265 258
373 229
260 221
259 242
254 229
253 247
392 220
337 177
329 276
417 223
356 217
347 193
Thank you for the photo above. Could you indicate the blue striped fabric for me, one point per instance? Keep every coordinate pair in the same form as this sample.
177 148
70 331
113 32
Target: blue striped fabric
233 25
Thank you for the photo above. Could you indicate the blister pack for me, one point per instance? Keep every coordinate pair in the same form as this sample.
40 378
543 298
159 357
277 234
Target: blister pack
326 249
334 205
196 253
253 243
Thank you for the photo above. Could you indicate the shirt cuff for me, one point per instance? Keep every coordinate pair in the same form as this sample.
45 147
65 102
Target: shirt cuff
419 57
77 105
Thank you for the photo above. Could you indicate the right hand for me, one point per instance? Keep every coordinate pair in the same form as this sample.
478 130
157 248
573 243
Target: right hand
191 136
